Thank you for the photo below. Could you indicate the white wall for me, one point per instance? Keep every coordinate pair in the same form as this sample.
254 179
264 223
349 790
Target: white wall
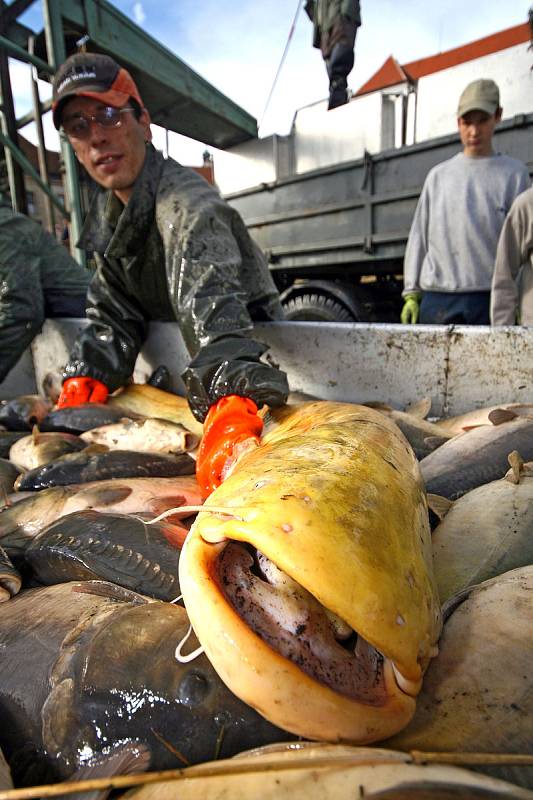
247 164
324 137
439 93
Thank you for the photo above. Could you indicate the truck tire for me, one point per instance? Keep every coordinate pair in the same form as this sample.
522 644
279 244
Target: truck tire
317 308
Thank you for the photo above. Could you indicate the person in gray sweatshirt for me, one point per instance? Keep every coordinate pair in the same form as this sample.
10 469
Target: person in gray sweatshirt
451 248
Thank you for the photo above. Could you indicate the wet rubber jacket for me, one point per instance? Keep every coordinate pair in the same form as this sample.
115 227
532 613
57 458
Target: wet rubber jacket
38 279
324 14
177 252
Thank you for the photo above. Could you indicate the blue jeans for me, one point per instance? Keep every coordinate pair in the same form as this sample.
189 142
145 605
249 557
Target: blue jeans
461 308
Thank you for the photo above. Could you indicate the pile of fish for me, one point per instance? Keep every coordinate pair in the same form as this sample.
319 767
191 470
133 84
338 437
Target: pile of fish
302 600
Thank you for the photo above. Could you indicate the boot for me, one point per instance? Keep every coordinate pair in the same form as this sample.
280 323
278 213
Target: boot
338 93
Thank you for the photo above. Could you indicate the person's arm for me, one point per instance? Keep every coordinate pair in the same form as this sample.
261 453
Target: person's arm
107 348
203 272
21 298
417 245
510 255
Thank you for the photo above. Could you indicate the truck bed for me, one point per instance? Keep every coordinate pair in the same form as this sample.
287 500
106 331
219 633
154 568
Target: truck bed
460 368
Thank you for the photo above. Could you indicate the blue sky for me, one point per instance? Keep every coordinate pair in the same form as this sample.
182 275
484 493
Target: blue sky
238 46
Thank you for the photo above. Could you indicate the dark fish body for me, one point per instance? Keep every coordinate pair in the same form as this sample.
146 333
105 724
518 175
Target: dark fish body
8 475
100 661
8 438
120 548
21 522
78 419
10 580
22 413
85 467
476 457
160 378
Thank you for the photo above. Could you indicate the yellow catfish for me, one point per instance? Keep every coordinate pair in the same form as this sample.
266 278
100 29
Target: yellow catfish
308 578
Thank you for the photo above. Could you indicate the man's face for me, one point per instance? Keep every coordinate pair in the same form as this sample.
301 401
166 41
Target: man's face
476 129
113 157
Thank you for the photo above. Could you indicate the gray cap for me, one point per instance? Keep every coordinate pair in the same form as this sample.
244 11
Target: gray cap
481 95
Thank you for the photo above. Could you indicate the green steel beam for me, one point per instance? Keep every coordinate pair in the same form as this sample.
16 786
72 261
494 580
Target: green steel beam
19 52
17 33
26 165
30 116
55 48
177 97
15 9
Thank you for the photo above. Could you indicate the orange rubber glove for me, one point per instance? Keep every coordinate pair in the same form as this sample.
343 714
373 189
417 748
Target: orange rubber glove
230 421
76 391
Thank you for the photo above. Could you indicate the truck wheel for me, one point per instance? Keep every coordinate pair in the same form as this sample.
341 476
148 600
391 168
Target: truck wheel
316 307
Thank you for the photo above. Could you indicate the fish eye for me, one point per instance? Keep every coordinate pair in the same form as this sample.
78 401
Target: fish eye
193 689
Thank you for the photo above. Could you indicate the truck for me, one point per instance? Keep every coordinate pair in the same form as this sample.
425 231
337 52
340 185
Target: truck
335 237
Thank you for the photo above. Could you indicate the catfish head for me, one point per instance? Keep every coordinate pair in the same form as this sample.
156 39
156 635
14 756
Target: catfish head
308 576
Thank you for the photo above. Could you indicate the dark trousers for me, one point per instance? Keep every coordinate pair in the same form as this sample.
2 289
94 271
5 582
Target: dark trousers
461 308
339 66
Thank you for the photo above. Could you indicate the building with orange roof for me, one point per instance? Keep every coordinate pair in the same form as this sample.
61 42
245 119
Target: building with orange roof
401 104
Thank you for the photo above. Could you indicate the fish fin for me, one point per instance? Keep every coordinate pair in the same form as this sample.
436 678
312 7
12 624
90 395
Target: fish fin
105 495
453 602
516 463
111 590
435 441
467 428
126 759
500 415
419 409
439 505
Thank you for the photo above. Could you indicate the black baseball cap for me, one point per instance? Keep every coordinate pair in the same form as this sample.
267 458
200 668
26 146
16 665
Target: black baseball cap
92 75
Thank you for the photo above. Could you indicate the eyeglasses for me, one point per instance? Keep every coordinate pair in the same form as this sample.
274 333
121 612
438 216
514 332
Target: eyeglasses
79 126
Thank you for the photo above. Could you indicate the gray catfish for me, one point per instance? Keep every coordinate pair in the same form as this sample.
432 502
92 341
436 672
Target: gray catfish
423 436
8 438
121 548
476 457
8 475
5 774
10 580
90 466
22 413
486 532
147 435
100 661
78 419
22 521
40 448
477 694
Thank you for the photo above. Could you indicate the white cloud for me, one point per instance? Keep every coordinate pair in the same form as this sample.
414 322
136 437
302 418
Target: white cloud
138 13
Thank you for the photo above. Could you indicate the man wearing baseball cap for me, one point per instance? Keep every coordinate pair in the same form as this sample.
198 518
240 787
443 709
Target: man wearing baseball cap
450 253
167 247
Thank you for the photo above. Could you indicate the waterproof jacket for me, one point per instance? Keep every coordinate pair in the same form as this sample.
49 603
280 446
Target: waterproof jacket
37 275
324 13
177 252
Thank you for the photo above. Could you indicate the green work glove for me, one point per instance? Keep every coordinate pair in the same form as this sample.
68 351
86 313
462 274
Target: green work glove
411 308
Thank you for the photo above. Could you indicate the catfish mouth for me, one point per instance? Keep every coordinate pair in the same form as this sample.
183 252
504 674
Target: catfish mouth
294 624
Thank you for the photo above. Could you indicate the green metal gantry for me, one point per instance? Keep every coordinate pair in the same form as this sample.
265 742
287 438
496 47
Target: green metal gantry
177 98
